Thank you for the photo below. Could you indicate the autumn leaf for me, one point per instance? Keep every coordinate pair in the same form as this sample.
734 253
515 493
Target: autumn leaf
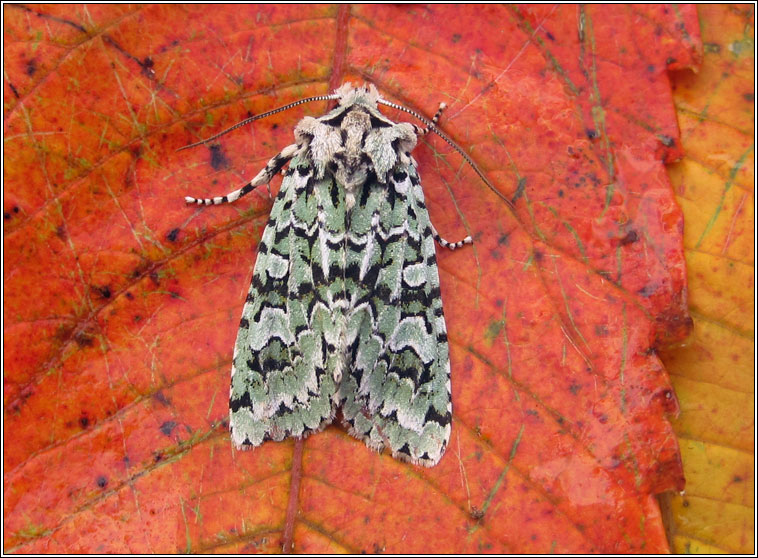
714 374
121 303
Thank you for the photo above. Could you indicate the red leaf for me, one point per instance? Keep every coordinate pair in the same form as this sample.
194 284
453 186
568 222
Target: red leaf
121 303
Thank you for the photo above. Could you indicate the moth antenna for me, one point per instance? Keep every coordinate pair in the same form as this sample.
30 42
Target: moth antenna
259 116
432 126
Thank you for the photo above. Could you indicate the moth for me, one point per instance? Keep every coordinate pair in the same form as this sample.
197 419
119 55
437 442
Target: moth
344 311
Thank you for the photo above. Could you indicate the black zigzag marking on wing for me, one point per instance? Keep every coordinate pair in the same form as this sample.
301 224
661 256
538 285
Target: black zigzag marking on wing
283 291
414 349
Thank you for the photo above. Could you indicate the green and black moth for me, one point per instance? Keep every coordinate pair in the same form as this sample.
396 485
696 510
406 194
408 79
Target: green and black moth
344 311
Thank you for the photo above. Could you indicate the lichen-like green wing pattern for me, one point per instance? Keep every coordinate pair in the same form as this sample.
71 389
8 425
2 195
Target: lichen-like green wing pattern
397 389
286 366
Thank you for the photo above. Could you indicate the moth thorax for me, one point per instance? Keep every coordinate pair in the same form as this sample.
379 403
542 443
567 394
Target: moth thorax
355 125
351 164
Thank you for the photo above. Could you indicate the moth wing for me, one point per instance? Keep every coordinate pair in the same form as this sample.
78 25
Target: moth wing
397 392
283 381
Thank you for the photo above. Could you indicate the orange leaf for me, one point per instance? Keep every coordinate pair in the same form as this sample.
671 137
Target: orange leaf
121 303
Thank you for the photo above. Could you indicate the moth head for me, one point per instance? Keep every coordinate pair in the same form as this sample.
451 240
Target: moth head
349 95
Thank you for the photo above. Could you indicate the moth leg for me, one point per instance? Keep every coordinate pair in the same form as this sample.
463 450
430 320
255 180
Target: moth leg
446 243
263 177
421 132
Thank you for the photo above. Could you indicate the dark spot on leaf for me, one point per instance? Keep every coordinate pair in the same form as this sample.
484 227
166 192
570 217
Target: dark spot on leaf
16 209
157 457
647 290
161 398
31 67
749 97
6 215
218 159
84 339
737 478
147 67
104 292
538 256
60 232
603 418
574 388
519 189
174 294
129 295
504 239
476 513
590 133
550 36
137 318
168 427
172 234
102 481
650 68
601 330
686 503
14 90
154 277
670 60
274 126
84 421
456 37
629 238
666 140
494 329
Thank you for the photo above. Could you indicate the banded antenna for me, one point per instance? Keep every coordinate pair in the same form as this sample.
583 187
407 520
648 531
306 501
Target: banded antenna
247 121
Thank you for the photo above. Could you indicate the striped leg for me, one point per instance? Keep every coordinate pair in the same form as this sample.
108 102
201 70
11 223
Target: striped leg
441 241
263 177
421 132
447 244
